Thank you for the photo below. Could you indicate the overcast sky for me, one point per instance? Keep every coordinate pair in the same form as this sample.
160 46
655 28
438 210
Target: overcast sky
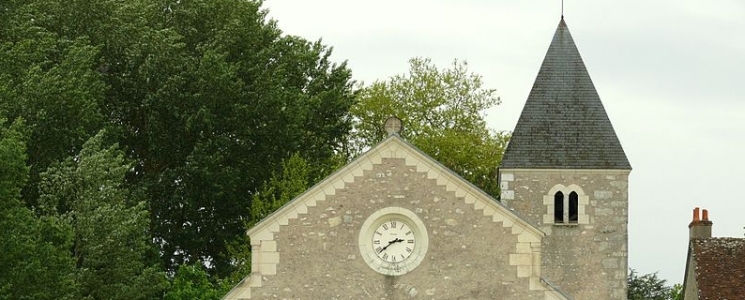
669 72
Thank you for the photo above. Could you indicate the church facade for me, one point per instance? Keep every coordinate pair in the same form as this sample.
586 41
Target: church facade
396 224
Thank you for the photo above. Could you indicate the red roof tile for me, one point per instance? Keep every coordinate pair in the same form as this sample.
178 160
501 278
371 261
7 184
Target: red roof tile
720 268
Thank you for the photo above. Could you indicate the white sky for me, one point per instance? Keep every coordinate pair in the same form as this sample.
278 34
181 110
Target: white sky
669 72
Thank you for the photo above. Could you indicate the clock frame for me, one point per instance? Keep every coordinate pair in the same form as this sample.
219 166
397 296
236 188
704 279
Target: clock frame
393 241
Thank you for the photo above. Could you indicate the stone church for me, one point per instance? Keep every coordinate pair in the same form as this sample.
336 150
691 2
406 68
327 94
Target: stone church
396 224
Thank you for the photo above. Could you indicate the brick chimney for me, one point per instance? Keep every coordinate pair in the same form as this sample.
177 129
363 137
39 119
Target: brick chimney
700 226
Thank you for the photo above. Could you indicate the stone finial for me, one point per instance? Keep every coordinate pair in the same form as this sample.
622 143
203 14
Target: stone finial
393 125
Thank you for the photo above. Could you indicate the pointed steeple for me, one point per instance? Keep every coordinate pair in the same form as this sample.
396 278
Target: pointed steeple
563 124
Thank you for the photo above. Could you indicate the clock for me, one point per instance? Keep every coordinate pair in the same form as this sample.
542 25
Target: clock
393 241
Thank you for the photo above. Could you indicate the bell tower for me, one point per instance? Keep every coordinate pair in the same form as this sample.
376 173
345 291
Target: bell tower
565 170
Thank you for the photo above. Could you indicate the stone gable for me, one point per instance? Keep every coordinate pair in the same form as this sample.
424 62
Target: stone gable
478 249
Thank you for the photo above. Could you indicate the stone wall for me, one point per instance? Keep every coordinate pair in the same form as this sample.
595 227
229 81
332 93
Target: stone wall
588 261
471 256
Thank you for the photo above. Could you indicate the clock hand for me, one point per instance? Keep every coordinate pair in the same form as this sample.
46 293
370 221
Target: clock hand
397 240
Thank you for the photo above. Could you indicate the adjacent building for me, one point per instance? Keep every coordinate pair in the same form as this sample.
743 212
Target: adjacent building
715 267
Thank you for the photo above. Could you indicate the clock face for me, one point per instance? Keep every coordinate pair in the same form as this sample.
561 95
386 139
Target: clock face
393 241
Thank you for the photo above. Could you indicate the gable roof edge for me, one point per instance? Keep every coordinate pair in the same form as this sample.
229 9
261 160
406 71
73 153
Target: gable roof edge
346 174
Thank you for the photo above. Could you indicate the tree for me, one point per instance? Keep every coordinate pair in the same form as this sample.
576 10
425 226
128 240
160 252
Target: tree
676 292
192 282
34 251
51 83
282 187
211 100
443 115
650 287
207 98
291 180
111 244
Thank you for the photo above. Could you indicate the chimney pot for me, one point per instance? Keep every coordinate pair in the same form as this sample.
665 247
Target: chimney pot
700 228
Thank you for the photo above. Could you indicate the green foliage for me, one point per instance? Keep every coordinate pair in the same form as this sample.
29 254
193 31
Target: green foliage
36 262
51 82
650 287
290 181
676 292
192 282
281 188
211 98
111 244
206 99
442 112
14 171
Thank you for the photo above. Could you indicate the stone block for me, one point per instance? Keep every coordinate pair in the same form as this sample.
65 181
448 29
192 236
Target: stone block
603 195
508 195
549 219
517 229
536 285
268 246
524 271
610 263
268 269
523 248
329 190
526 237
460 192
422 167
376 158
478 204
254 280
521 259
269 257
488 210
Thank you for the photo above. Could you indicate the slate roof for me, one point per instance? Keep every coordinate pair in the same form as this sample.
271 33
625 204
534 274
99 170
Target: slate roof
720 267
563 124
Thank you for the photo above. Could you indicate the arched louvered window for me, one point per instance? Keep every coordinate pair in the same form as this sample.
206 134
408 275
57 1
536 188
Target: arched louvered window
573 207
559 207
566 206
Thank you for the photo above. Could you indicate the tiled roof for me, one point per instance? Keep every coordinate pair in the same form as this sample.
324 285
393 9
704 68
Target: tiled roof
563 124
720 267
